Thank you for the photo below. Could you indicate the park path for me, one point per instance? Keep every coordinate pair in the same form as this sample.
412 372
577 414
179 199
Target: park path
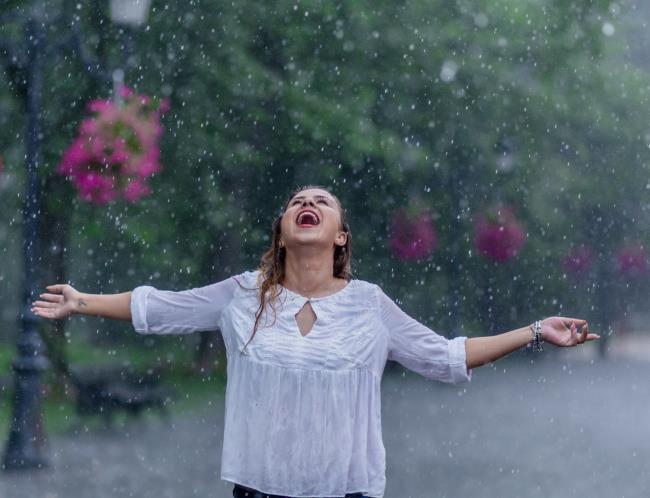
564 426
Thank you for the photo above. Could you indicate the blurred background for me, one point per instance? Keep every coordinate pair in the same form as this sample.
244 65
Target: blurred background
492 157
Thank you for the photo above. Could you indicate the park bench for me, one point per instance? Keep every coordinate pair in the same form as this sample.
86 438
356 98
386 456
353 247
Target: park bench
110 389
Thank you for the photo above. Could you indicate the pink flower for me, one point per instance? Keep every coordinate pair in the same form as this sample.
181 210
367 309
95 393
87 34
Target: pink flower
144 100
135 190
125 92
74 156
632 260
164 106
116 149
498 235
412 237
100 106
149 164
96 188
89 126
579 259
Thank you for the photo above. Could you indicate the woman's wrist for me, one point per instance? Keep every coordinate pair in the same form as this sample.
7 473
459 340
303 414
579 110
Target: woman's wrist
536 336
80 304
114 306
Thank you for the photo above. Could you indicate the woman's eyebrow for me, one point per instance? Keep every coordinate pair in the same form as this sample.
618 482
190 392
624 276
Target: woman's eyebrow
316 196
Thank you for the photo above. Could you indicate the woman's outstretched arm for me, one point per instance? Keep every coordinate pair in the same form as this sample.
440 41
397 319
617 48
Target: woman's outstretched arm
151 310
64 300
558 331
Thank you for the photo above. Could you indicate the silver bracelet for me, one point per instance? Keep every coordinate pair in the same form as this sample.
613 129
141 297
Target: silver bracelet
536 343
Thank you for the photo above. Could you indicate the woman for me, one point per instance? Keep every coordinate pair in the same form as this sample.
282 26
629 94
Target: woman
306 347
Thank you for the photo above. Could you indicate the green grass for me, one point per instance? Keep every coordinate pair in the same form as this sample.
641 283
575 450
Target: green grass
7 353
173 355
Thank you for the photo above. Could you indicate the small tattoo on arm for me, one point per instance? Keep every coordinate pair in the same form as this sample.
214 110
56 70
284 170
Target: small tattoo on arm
82 303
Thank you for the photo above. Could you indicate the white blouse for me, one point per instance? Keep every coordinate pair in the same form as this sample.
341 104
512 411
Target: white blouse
303 413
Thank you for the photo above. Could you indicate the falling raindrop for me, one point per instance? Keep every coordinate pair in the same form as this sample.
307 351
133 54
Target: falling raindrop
448 71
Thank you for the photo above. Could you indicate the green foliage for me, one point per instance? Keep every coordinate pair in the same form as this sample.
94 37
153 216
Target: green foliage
387 102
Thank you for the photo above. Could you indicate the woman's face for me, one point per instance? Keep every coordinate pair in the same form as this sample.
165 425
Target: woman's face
312 217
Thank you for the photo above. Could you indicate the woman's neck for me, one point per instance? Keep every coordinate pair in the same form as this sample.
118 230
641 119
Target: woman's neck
311 275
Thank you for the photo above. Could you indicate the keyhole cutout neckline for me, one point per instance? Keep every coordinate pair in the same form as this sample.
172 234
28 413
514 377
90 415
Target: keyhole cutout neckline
305 324
306 319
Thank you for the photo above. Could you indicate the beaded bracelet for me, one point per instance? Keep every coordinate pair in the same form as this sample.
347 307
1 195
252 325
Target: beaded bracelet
536 343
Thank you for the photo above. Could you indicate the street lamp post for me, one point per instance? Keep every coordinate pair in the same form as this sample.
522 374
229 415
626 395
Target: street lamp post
25 445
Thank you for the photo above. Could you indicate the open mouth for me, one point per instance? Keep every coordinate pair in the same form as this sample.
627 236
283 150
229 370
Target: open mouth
307 218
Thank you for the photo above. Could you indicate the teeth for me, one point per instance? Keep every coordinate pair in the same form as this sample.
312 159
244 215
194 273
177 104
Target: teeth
308 213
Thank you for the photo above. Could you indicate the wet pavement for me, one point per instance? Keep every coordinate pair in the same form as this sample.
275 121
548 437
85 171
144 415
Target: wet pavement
566 425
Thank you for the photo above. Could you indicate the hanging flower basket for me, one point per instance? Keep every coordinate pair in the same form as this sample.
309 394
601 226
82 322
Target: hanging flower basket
498 235
579 260
632 261
117 149
413 236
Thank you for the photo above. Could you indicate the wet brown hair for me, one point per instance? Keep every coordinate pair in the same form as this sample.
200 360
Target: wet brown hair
272 267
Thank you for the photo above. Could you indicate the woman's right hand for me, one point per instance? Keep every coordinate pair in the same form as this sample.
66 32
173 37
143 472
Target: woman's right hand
61 302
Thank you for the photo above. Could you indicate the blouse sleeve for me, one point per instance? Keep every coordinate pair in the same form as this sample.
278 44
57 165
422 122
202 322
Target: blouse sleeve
156 311
420 349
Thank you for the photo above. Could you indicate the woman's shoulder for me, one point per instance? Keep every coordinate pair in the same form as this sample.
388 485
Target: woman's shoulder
373 292
249 279
363 289
364 284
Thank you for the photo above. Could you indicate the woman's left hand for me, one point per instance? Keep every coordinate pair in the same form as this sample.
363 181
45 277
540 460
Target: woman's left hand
563 332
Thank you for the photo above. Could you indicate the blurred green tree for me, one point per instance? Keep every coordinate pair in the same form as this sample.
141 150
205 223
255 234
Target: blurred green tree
453 105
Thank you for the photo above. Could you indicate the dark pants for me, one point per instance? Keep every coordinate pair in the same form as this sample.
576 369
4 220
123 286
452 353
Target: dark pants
243 492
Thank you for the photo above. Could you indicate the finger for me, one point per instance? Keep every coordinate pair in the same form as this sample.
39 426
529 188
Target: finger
583 335
567 321
55 287
57 298
593 337
43 312
574 334
41 309
45 304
